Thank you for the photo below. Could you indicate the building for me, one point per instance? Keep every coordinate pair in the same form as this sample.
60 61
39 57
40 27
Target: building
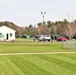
7 34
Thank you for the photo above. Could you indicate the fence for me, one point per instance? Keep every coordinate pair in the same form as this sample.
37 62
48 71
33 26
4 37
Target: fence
69 45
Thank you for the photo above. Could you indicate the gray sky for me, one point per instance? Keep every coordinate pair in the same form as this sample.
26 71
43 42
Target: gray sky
25 12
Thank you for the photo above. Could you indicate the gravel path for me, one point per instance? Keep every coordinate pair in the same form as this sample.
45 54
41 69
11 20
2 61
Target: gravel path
2 54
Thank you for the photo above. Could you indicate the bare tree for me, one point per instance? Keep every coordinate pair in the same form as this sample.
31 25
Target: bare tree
68 30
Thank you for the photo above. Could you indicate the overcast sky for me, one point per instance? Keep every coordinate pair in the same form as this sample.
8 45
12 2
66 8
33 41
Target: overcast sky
26 12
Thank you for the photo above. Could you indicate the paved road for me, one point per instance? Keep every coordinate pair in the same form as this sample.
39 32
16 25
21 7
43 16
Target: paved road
2 54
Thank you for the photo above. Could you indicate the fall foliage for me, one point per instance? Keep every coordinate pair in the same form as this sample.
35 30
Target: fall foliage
64 28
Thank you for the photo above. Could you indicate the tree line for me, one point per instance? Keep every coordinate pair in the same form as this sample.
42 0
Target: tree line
64 28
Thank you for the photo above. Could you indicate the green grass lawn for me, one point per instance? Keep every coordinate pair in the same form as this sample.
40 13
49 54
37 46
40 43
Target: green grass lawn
36 64
19 47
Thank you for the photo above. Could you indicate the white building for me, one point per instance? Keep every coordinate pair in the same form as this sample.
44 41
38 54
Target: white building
7 34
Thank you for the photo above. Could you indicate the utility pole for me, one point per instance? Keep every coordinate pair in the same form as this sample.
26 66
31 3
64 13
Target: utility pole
43 15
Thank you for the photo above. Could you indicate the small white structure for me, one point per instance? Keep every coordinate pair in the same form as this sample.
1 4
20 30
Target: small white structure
7 34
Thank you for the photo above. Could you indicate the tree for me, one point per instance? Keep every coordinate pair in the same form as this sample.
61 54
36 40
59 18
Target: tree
68 30
42 28
39 24
30 26
30 30
49 23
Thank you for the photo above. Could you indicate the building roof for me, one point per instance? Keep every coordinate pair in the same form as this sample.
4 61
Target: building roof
6 29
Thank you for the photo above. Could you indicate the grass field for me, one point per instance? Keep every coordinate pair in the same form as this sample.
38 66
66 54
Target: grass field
21 47
36 64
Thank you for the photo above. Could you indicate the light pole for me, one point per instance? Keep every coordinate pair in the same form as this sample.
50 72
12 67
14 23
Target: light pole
43 15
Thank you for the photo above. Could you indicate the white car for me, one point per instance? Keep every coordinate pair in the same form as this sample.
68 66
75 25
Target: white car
44 38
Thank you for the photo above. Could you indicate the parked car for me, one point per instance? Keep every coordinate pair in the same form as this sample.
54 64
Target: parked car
44 38
61 38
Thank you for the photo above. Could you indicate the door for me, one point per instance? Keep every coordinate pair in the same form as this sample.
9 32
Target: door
7 37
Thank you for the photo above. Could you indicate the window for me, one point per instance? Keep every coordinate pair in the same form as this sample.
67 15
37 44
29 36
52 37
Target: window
0 33
11 34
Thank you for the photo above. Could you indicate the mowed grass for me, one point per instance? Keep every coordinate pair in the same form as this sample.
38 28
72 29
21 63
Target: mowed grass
23 47
38 64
